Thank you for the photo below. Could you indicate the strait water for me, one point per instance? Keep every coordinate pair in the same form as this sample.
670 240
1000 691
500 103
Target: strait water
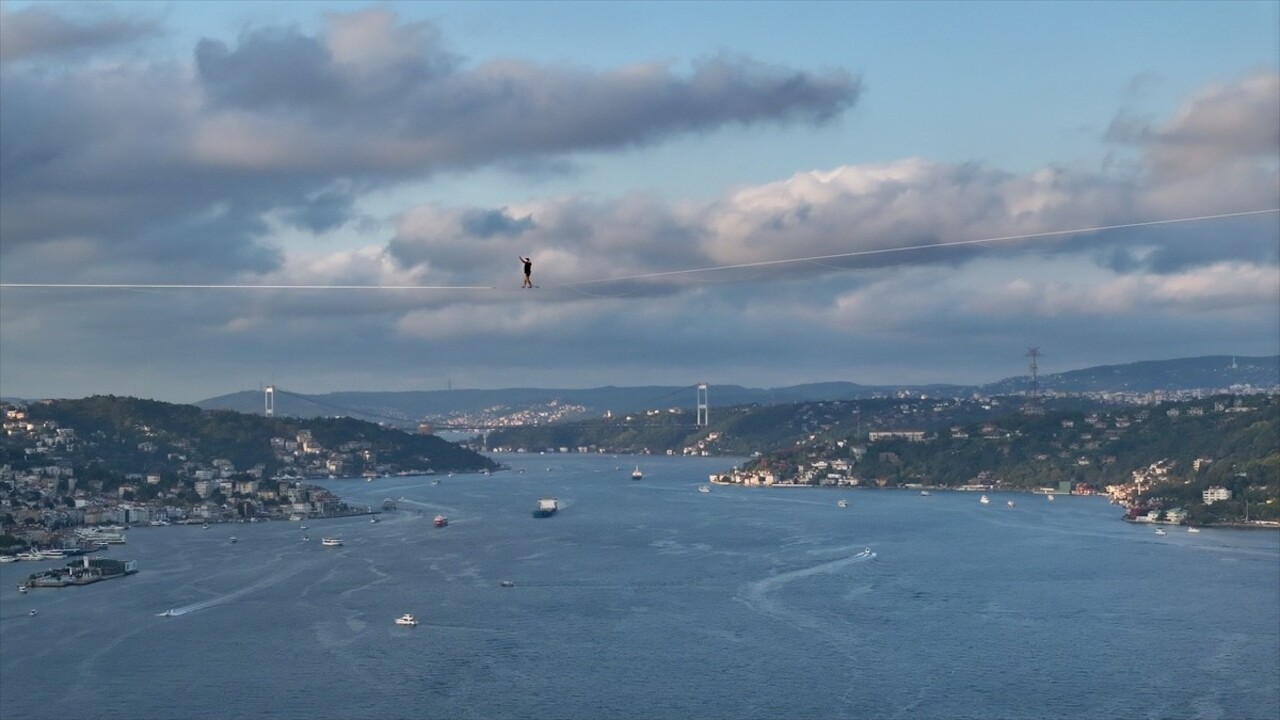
648 599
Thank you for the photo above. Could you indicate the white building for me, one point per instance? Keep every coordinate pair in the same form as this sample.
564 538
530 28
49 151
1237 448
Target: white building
1214 494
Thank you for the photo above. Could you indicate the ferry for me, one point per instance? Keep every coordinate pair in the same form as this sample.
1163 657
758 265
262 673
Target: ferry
546 507
636 474
331 541
440 521
406 619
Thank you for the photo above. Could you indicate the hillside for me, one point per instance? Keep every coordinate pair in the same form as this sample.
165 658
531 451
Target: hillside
117 435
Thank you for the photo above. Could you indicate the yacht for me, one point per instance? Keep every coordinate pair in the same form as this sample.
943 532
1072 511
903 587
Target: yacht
984 499
406 619
331 541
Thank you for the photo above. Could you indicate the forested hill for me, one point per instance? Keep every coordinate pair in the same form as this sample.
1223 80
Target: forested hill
133 435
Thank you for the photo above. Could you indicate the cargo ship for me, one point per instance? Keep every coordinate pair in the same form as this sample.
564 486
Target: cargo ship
546 507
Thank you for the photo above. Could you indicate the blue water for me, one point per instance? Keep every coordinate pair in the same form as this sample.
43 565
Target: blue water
648 599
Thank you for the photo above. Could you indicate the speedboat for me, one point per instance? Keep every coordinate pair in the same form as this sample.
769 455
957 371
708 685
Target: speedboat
1050 497
704 489
984 499
925 493
1011 504
1161 531
22 588
842 503
233 539
166 613
1193 530
440 521
406 619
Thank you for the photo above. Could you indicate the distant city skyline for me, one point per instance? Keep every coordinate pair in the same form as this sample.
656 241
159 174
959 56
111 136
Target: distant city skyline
759 194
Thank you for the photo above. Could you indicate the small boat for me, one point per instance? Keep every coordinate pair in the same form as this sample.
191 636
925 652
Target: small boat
232 539
373 519
331 541
302 527
1193 530
507 583
22 588
166 613
306 538
204 526
1011 504
546 507
842 503
1051 498
704 489
33 612
925 493
636 474
406 619
440 521
984 499
1161 531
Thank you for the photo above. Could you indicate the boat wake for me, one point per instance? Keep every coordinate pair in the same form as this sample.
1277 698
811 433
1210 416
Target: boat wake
222 599
758 595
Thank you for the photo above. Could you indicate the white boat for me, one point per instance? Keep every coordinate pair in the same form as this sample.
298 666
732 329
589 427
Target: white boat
406 619
1050 497
331 541
842 503
925 493
22 588
232 539
1011 504
1161 531
636 474
1193 530
8 558
166 613
984 499
704 489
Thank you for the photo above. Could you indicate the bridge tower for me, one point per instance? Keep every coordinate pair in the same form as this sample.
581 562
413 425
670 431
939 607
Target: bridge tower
702 405
269 400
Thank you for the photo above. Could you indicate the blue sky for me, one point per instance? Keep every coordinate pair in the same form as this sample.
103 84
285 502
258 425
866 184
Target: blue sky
430 143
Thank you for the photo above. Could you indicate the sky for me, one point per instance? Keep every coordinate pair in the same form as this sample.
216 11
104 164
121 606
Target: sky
336 195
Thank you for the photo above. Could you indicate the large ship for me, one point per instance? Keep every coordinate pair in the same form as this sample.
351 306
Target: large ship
546 507
331 541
